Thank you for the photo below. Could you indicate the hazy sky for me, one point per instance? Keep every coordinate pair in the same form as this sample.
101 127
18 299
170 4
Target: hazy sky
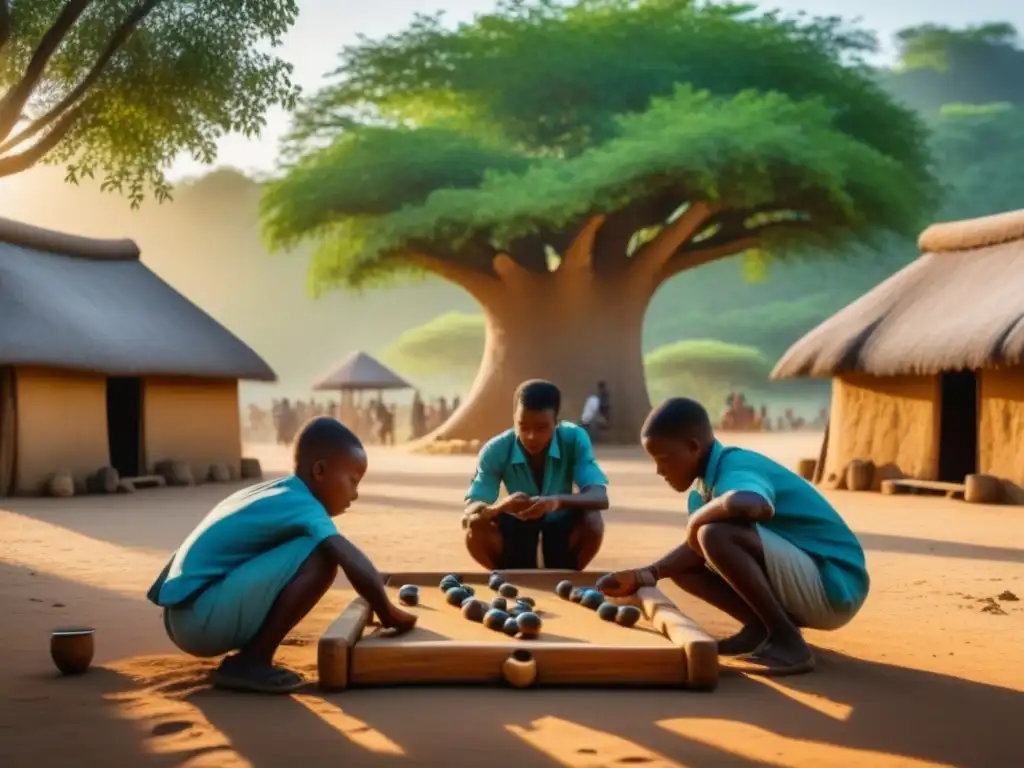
325 26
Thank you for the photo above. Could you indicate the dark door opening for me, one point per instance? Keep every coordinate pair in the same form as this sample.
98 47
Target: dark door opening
958 426
124 424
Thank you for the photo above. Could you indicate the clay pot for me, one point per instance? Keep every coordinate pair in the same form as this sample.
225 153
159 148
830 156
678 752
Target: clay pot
805 468
860 475
983 489
72 649
520 669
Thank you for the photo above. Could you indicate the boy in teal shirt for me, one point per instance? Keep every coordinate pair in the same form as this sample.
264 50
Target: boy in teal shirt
539 461
761 544
261 560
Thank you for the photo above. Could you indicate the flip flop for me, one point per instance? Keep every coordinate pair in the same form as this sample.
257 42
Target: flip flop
757 663
276 680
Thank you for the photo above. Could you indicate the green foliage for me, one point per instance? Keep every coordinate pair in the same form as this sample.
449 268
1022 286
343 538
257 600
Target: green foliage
981 151
730 364
450 344
939 65
178 75
704 369
553 112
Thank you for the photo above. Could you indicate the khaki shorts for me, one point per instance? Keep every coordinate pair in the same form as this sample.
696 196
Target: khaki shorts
797 583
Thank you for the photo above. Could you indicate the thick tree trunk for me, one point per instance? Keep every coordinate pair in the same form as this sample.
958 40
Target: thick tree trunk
572 326
573 332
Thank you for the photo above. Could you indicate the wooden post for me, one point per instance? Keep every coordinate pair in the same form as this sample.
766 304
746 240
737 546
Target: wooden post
700 648
334 650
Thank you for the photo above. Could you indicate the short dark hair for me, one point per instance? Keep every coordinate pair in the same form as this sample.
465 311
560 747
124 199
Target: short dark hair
679 418
538 395
321 437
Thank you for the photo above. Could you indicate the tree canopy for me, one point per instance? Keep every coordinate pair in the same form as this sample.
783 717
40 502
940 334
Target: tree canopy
441 146
939 66
119 88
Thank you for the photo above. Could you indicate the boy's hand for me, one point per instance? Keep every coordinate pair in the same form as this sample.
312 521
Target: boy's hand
515 503
539 506
398 621
626 583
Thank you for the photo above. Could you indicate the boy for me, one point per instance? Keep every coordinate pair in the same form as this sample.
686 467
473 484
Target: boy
539 460
761 544
259 562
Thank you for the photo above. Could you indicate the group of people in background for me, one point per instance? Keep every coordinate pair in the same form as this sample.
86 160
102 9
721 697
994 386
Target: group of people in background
740 416
378 423
375 422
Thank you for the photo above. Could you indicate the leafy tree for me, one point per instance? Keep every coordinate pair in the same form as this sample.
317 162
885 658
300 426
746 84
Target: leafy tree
705 369
122 87
939 66
451 344
561 162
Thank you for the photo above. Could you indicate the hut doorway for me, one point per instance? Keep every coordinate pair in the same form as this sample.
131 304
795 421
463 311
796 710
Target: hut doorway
8 429
958 425
124 424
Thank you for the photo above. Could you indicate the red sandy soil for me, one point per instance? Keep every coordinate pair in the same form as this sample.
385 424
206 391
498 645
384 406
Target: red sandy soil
930 673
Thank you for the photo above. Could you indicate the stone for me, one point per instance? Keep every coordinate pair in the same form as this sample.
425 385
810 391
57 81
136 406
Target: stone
175 473
126 486
251 470
103 480
219 473
61 485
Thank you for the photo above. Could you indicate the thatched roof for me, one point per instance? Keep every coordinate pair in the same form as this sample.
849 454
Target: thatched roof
359 372
85 304
960 305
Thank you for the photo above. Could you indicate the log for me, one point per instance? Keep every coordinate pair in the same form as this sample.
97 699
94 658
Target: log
983 489
807 469
860 475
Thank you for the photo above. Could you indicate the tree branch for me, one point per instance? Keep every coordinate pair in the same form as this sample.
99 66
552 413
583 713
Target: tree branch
612 242
14 164
651 258
118 39
733 235
14 101
480 285
578 257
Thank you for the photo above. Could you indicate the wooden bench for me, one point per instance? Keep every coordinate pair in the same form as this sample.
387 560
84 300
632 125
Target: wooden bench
908 485
144 481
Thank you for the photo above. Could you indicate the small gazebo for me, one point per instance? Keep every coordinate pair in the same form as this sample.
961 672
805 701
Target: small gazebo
359 372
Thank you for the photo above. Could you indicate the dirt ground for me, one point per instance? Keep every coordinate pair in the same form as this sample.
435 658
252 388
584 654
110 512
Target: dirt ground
929 674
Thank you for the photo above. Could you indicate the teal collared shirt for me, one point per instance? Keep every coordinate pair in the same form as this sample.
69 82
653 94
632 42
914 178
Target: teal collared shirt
802 516
570 462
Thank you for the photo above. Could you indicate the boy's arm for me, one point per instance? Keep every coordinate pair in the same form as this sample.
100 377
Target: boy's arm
482 496
588 476
367 581
747 496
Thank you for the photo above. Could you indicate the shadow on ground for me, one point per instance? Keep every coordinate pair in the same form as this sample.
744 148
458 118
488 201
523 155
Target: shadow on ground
852 713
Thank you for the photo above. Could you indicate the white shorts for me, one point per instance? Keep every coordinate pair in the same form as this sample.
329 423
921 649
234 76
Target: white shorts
798 585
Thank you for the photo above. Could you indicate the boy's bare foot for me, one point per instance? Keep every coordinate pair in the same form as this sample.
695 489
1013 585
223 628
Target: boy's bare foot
747 640
776 658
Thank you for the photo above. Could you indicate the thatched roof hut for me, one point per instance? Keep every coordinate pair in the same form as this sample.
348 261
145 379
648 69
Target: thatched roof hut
102 363
928 367
360 372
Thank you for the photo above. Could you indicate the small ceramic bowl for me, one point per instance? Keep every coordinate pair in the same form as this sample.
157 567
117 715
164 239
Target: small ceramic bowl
72 649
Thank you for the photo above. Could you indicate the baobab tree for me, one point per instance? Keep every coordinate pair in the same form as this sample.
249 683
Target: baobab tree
561 162
117 89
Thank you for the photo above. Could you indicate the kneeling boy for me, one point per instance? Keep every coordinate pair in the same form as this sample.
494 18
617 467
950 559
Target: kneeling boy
539 461
258 563
762 544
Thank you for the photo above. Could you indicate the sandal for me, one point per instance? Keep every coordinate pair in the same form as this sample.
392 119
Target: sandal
233 676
